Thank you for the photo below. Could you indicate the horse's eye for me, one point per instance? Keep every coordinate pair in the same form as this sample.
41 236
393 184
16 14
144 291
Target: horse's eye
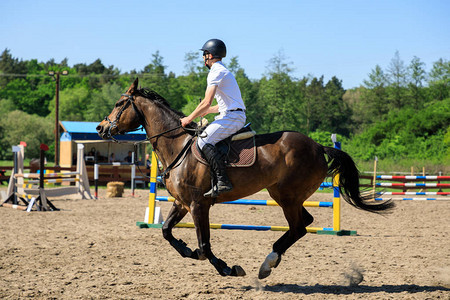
119 103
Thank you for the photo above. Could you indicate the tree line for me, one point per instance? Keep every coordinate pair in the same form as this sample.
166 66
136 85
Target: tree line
401 111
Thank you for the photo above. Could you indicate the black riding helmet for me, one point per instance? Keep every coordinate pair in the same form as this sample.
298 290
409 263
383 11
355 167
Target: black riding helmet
216 47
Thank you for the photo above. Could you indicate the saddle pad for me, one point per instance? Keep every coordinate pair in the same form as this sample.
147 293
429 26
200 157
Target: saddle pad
242 153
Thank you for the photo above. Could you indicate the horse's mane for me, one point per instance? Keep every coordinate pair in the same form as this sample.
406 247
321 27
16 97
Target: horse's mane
159 100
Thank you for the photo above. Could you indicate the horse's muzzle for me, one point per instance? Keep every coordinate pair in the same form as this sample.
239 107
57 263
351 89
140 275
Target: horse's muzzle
102 130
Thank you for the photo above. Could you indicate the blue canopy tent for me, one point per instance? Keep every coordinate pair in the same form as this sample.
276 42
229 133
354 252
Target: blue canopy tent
74 132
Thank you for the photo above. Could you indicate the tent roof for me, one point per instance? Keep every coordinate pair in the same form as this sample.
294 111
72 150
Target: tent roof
87 127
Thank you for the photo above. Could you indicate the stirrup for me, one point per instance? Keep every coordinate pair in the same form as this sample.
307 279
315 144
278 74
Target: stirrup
214 192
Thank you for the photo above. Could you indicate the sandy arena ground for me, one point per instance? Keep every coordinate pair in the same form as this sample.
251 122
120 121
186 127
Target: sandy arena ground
92 249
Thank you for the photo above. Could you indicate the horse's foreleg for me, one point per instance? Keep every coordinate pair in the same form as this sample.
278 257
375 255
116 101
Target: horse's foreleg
297 229
176 214
200 214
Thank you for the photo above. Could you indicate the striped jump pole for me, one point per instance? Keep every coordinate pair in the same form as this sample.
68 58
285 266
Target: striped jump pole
57 180
415 193
427 177
414 184
424 185
46 175
318 230
256 202
416 198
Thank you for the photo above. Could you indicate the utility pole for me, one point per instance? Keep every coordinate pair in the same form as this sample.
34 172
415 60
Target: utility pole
56 76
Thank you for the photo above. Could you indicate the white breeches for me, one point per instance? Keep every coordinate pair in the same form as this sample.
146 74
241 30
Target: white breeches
224 125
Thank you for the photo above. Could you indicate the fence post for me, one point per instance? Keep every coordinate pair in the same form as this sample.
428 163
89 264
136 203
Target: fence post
133 173
15 150
96 180
374 180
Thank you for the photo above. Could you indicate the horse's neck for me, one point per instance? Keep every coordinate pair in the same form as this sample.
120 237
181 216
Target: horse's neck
169 145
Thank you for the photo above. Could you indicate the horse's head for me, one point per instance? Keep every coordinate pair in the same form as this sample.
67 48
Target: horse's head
124 117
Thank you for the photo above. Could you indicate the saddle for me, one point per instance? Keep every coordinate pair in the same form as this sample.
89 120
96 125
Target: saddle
239 149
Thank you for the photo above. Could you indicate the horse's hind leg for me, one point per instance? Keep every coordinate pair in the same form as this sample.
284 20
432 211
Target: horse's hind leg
307 217
176 214
298 218
200 214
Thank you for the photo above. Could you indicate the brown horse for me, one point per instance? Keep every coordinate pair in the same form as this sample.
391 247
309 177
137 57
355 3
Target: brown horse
289 165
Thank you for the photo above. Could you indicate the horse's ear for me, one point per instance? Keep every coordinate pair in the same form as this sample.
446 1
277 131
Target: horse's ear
133 87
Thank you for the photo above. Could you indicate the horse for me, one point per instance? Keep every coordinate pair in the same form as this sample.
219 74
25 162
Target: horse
290 165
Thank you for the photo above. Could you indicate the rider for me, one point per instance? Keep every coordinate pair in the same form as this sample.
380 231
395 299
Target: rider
222 86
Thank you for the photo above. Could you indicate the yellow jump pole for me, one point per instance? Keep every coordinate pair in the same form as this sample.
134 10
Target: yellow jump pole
150 212
336 194
336 204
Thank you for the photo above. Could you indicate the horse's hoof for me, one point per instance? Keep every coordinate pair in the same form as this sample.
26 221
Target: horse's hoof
237 271
263 273
272 261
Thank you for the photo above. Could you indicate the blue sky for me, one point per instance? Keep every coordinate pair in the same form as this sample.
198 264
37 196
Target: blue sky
345 39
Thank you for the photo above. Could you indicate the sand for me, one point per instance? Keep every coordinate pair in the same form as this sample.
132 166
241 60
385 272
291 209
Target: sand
92 249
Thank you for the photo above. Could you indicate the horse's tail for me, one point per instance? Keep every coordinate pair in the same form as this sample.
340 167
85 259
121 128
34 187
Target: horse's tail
349 186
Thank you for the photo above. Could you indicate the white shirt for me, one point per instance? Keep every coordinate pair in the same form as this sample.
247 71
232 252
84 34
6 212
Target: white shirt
228 95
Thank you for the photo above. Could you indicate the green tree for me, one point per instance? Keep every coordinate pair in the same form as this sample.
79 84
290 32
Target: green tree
19 126
154 76
415 86
336 113
374 98
32 101
439 79
246 86
193 63
193 83
397 75
315 93
102 102
278 107
10 67
96 74
73 104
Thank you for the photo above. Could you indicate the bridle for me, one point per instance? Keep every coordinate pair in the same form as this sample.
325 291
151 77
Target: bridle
114 124
130 101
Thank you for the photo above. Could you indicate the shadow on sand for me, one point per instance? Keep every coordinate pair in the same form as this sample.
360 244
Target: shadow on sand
347 290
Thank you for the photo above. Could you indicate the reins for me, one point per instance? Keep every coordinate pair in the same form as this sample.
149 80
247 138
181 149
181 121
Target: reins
177 159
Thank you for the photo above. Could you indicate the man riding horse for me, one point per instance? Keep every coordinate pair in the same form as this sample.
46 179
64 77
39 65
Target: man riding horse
289 164
222 86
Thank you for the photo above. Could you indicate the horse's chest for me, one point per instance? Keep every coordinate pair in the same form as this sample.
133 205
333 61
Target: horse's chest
186 187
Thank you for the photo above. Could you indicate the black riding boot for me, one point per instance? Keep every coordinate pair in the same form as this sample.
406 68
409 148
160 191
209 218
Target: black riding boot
218 167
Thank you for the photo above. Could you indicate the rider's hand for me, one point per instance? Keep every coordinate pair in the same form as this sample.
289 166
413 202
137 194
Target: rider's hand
185 121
